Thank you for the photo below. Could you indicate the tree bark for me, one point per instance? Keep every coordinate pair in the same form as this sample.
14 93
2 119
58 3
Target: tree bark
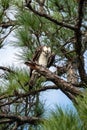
60 83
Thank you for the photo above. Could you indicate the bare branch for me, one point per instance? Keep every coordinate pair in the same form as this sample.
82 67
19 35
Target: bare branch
7 24
63 85
5 121
21 119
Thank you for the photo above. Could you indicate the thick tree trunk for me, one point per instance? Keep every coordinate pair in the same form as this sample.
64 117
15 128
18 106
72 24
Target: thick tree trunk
72 74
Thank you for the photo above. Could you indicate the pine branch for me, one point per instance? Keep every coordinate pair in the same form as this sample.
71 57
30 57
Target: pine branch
62 24
63 85
32 92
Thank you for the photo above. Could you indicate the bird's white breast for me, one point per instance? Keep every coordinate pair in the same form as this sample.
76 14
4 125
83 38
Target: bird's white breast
42 60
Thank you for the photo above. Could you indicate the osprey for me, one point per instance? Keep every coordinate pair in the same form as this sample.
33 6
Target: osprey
43 56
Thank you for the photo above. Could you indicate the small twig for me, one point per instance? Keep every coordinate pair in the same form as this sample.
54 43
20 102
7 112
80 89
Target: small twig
15 126
7 24
3 38
21 119
6 69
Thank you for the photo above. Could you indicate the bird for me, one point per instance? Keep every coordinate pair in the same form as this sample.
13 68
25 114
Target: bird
43 56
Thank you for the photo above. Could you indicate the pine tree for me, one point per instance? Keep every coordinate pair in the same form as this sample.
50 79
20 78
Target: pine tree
62 26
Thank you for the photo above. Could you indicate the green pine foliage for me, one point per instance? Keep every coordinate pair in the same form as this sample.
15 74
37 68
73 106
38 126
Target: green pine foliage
64 8
82 109
15 81
5 4
67 119
62 120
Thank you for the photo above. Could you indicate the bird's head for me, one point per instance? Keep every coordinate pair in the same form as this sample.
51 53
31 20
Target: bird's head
46 50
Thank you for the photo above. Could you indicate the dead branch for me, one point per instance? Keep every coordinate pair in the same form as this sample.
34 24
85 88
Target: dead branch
60 83
20 119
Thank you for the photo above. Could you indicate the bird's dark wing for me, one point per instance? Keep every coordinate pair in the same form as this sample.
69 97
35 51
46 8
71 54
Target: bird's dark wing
36 57
51 59
37 53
